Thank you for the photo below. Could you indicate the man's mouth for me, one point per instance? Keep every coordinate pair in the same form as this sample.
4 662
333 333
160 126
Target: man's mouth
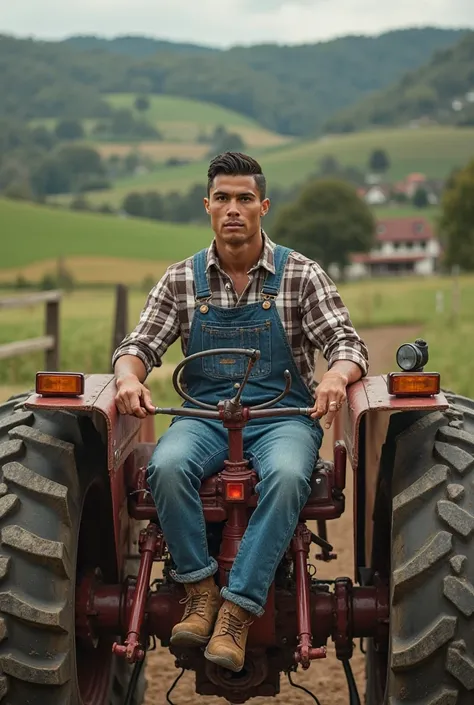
233 224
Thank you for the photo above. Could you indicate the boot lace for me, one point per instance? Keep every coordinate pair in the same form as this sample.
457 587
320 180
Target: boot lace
195 604
233 626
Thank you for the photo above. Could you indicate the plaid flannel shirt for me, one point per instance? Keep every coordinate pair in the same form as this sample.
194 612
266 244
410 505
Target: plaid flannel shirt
311 309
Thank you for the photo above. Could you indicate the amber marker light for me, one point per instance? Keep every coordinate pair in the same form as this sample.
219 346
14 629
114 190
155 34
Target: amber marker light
60 384
415 384
234 491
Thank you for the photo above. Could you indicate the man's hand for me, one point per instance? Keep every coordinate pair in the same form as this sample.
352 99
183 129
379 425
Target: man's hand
330 396
133 397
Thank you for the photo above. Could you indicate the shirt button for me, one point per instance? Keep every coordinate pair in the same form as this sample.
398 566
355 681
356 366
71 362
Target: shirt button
228 286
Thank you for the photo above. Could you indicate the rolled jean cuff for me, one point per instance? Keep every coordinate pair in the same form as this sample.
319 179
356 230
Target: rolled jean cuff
243 602
196 575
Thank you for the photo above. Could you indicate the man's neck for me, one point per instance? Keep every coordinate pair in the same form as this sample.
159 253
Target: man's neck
240 259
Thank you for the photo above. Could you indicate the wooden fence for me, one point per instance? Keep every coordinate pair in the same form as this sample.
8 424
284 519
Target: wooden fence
49 342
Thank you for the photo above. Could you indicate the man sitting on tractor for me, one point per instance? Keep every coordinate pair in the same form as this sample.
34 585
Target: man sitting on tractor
244 291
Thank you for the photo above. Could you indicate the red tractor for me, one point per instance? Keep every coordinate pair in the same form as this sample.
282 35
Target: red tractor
80 534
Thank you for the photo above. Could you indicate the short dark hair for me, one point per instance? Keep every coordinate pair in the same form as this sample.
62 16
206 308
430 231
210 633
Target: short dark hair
236 164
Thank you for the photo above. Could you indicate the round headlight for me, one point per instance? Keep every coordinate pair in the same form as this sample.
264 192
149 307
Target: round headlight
408 357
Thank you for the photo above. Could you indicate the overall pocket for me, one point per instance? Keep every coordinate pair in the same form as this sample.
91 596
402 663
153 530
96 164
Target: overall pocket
246 335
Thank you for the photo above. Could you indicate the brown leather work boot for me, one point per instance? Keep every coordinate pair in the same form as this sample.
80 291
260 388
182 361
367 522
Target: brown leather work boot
227 646
202 605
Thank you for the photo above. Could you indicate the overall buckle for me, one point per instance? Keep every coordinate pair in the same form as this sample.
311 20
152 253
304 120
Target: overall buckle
203 304
267 300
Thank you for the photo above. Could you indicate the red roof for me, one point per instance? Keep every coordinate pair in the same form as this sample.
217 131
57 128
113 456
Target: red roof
415 177
403 230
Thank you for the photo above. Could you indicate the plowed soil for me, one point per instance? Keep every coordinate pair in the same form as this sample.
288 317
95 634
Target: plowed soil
325 678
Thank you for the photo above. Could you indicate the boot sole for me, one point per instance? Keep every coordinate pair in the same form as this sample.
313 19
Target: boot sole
189 639
223 662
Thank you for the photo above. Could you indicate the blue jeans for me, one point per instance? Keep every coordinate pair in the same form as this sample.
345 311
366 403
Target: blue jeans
282 453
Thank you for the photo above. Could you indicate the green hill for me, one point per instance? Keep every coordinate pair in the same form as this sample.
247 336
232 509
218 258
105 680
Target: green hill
290 90
184 120
33 233
433 151
442 90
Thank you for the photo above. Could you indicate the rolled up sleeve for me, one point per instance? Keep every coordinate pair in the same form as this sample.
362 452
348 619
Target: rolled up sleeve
326 321
157 329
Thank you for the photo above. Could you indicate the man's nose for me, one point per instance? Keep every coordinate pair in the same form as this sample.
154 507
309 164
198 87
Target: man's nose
233 208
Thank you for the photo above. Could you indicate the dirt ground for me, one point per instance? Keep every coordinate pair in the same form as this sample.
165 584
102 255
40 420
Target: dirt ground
325 678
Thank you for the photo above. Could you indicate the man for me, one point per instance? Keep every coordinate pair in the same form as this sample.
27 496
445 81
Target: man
243 291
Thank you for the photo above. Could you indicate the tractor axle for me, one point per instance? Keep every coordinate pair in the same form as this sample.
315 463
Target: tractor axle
346 613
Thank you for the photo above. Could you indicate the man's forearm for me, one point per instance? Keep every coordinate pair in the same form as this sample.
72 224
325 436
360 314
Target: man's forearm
349 370
127 365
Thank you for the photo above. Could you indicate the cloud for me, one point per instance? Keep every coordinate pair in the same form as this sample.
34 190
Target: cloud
227 22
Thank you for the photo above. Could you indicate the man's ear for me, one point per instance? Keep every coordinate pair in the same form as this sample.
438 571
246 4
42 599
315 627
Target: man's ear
265 207
206 206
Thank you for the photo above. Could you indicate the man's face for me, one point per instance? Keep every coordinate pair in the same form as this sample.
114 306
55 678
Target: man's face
235 208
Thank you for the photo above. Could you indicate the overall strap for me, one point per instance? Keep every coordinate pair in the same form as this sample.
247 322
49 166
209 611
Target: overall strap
200 278
273 281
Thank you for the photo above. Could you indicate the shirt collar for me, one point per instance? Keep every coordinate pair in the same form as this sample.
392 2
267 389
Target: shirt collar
267 260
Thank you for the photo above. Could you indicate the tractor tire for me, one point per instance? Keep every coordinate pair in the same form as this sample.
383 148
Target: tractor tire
430 655
55 526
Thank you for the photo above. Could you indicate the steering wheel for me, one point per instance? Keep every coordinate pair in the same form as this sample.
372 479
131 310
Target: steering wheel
252 354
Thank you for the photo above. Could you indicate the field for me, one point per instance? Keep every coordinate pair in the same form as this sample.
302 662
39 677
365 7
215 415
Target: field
140 248
87 317
434 151
430 213
183 119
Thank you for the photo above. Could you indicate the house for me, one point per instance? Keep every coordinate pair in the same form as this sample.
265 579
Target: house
411 184
403 246
375 195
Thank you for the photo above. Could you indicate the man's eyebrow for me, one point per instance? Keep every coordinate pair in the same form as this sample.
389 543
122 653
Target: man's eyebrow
225 193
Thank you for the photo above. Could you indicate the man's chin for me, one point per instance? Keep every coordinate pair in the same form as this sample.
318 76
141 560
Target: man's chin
234 237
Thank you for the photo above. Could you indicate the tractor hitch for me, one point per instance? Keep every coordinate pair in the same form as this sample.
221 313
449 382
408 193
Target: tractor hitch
151 549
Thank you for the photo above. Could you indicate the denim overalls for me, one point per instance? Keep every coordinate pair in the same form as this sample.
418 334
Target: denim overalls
282 451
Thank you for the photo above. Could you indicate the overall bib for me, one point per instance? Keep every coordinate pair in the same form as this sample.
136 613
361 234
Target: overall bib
282 451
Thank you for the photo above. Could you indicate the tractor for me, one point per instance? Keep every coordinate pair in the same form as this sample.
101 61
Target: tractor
80 535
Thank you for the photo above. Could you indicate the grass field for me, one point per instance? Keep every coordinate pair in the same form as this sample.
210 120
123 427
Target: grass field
87 319
32 234
434 151
183 119
431 213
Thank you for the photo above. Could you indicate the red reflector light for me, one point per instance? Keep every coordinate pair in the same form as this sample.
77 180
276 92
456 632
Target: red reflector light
414 384
235 491
59 384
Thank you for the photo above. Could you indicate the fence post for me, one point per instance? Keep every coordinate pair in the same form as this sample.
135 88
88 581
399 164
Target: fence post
52 328
121 316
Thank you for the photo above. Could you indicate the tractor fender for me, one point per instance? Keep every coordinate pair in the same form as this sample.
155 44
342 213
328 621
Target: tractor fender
120 434
366 417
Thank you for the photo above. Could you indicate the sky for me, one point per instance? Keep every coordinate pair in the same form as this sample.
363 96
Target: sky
228 22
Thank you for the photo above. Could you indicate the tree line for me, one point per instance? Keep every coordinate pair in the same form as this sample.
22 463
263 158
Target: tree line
292 90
